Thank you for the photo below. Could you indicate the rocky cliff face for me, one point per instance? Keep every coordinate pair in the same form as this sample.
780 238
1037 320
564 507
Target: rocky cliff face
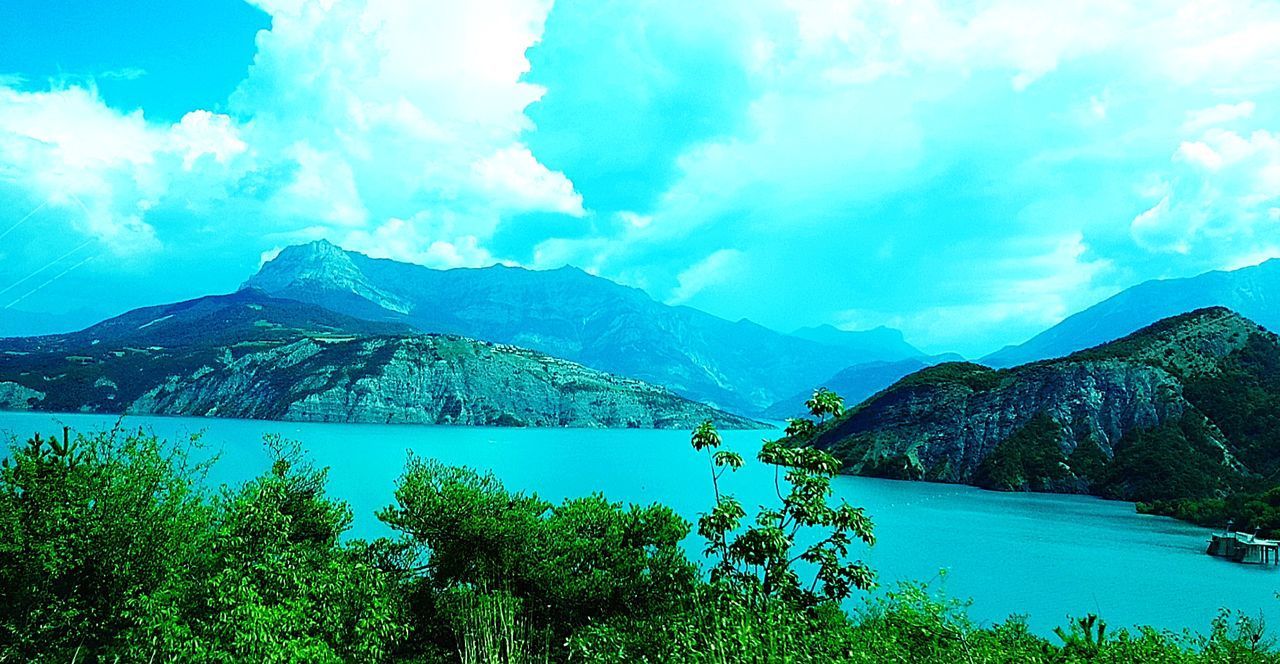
944 428
422 380
954 422
252 356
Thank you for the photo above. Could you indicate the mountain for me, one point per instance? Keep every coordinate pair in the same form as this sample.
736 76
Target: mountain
1188 407
886 344
854 383
249 355
1252 291
567 313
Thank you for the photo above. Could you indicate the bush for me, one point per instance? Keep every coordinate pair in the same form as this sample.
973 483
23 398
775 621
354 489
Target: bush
586 560
93 530
110 549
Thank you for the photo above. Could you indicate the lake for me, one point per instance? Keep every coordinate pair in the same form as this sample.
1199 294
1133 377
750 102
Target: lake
1041 555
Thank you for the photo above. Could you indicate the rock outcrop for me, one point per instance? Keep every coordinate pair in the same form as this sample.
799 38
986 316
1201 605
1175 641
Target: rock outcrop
954 422
248 355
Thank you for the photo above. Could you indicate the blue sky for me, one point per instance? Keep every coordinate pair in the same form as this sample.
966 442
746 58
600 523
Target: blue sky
968 172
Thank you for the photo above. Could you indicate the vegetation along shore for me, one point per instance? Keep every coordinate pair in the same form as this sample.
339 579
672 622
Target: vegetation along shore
114 549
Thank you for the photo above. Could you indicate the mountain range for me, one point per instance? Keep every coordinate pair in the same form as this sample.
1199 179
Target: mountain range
249 355
1188 407
568 313
1252 291
335 306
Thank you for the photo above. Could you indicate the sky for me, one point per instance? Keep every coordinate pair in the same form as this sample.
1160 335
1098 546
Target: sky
968 172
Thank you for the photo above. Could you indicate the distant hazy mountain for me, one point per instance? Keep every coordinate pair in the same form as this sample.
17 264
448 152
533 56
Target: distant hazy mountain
1184 408
1252 291
884 343
740 366
854 383
249 355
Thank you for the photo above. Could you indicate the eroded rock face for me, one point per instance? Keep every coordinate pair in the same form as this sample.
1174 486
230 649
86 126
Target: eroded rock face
400 379
253 356
949 427
16 397
941 423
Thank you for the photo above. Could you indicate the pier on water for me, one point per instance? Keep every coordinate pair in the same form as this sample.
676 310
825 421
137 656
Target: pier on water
1245 548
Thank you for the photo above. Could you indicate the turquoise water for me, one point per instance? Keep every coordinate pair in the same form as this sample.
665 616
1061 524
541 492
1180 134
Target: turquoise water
1041 555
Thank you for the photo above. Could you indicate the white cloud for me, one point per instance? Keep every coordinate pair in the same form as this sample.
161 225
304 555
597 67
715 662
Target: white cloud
354 114
1029 291
1217 115
717 268
104 168
1217 197
428 239
202 133
423 100
513 178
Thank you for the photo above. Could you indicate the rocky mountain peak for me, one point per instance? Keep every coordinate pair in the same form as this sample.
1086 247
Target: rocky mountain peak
318 261
325 267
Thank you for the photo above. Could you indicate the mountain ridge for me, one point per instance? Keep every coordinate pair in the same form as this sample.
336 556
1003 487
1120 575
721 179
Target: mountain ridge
249 355
1139 418
569 313
1252 291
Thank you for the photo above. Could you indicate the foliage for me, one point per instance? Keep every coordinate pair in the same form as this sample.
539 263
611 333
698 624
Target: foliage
1246 511
92 530
719 623
110 550
761 557
973 376
1088 462
567 565
825 403
1028 460
1175 460
1242 398
281 585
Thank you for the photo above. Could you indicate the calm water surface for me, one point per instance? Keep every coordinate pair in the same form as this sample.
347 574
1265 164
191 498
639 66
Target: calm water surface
1040 555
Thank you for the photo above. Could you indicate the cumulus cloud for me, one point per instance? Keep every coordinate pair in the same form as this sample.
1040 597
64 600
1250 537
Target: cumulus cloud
354 117
429 239
900 152
1218 196
984 166
106 169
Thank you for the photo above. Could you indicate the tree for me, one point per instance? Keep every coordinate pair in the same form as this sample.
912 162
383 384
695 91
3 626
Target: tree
763 555
825 403
552 568
281 585
93 533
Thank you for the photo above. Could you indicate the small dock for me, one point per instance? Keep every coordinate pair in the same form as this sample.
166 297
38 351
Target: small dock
1245 548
